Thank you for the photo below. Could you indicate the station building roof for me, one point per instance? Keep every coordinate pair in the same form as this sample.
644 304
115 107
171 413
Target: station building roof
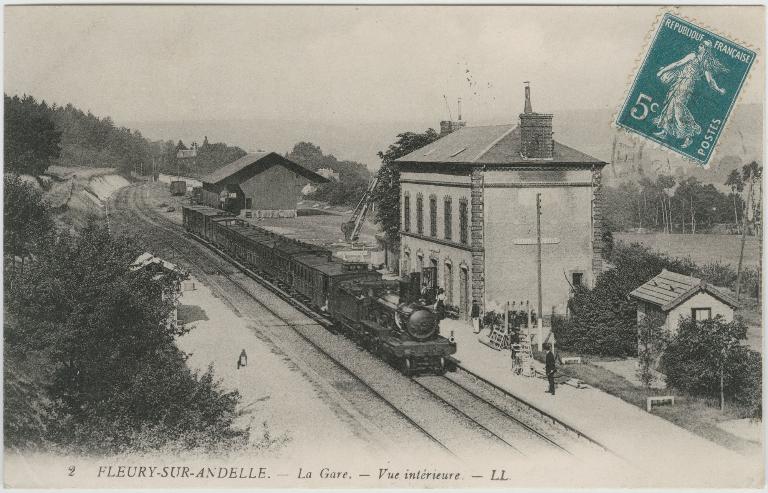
148 261
257 162
491 145
669 289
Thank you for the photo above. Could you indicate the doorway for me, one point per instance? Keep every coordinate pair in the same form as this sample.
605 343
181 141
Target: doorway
463 294
448 284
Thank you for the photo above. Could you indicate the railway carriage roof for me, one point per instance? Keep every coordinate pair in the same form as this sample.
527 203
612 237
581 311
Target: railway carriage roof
204 210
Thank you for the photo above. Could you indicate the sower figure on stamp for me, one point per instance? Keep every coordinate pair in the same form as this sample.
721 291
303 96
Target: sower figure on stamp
675 118
550 369
242 360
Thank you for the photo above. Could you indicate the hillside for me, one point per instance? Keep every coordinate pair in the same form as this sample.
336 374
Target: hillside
590 131
631 157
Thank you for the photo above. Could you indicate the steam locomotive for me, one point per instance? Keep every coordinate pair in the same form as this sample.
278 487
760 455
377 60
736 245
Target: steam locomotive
388 318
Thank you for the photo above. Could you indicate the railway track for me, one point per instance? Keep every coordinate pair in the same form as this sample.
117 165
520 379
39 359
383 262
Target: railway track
474 414
209 269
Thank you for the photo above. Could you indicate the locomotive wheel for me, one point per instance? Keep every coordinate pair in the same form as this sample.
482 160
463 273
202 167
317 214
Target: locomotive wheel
406 366
441 366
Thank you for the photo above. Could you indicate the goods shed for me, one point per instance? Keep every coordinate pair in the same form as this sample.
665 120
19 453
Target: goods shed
261 184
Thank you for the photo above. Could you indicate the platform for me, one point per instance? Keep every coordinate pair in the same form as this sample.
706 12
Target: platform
668 454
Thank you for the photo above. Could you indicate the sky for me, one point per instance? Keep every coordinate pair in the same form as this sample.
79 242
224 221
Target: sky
338 65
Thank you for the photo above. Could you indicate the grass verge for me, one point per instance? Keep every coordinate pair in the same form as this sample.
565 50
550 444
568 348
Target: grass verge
697 415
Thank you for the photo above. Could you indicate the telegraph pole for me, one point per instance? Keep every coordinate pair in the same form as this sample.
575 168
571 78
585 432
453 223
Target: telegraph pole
538 266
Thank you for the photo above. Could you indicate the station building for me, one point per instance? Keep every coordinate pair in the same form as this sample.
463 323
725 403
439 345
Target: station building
468 204
261 184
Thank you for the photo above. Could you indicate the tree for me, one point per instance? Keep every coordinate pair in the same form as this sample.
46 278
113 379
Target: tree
651 339
386 195
27 220
118 380
31 139
663 184
706 358
737 186
604 319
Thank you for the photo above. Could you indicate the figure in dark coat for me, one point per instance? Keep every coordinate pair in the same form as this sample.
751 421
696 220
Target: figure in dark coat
242 360
550 370
475 314
440 304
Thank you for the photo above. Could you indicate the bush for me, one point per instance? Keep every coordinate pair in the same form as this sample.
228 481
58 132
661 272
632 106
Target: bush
750 282
603 319
693 360
718 274
111 372
749 386
725 275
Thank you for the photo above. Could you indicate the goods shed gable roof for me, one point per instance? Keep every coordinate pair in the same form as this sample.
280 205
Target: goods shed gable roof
669 289
493 144
261 158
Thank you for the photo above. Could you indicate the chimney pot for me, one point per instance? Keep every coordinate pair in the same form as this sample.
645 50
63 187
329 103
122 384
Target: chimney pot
528 107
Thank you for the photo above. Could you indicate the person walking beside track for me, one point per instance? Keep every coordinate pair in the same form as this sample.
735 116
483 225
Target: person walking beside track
475 314
550 369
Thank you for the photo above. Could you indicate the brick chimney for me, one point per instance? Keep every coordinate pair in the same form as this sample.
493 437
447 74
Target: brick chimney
535 131
447 126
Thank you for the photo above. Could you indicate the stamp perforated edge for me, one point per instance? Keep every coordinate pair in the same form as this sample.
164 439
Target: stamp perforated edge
648 39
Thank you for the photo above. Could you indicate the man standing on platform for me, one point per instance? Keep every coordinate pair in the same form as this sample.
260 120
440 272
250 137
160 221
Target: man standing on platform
550 369
475 317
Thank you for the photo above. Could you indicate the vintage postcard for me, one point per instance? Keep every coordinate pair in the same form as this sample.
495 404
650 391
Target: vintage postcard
383 246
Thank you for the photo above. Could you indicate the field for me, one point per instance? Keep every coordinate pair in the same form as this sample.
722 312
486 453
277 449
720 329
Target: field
701 248
322 229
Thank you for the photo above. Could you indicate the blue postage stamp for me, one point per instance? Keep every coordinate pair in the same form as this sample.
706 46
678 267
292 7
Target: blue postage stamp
686 87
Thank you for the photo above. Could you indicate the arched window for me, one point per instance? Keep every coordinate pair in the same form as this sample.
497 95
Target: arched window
407 213
432 215
448 282
448 217
463 222
420 214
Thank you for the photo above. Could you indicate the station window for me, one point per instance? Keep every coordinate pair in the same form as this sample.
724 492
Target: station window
407 213
432 215
420 214
701 313
448 217
577 279
463 222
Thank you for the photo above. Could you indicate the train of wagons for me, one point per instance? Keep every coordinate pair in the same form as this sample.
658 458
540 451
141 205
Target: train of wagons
386 317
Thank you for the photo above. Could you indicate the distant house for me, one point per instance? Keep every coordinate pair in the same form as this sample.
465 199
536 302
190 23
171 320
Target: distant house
261 184
674 296
160 268
328 173
186 153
